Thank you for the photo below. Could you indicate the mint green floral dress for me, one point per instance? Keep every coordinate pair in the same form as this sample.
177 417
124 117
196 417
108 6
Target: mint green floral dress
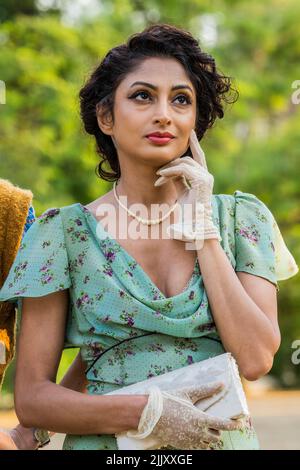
125 327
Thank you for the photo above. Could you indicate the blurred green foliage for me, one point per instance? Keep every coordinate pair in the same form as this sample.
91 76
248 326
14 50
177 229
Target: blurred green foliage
255 148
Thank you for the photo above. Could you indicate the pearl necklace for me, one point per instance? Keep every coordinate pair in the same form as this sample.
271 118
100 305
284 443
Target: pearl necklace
140 219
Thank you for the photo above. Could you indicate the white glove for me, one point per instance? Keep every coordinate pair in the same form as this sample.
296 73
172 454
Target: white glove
171 418
194 186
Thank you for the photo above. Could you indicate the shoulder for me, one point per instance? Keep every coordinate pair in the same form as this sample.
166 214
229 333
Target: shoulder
241 202
55 214
237 197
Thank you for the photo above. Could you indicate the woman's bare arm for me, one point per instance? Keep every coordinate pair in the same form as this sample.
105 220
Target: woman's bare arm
42 403
21 437
75 378
244 308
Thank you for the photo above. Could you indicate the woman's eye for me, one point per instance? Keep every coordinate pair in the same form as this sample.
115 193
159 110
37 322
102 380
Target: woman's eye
188 101
140 93
185 97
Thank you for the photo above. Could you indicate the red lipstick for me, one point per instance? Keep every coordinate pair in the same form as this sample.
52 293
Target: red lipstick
160 137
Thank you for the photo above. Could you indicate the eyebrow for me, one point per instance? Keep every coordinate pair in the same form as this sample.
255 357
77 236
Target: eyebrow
175 87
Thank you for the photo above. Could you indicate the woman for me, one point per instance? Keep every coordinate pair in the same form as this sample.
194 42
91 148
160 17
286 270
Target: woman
139 303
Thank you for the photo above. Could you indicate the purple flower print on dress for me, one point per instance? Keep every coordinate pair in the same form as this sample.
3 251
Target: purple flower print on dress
129 352
121 380
168 306
47 265
46 278
186 344
80 258
77 262
155 293
272 269
260 216
96 348
19 270
47 275
83 300
128 318
21 291
77 235
254 236
98 296
192 295
250 233
132 265
250 264
156 347
158 370
107 318
48 215
108 270
190 360
110 255
207 327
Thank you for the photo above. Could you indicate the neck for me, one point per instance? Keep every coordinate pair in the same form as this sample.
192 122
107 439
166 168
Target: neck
142 190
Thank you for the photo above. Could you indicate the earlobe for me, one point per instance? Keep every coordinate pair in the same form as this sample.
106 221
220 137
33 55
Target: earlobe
103 120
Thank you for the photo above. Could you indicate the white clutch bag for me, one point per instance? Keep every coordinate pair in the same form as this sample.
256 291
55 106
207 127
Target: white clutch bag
230 402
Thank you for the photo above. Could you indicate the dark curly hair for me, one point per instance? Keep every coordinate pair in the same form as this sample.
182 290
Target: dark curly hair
158 40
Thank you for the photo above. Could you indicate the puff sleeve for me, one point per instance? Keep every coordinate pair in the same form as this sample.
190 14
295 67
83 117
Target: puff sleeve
259 245
41 265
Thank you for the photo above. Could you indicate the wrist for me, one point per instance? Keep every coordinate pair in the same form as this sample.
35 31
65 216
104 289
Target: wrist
150 415
139 404
24 438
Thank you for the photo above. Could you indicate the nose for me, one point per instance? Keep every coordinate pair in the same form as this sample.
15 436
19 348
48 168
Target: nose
162 113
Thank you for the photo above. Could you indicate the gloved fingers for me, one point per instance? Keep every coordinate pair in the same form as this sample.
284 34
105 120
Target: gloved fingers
181 186
193 175
223 424
161 180
215 432
198 154
212 436
202 445
175 162
193 170
196 393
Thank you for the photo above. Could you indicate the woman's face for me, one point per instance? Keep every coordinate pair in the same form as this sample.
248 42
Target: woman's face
139 110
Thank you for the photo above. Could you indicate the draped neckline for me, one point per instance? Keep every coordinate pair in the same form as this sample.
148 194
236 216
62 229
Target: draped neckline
99 226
